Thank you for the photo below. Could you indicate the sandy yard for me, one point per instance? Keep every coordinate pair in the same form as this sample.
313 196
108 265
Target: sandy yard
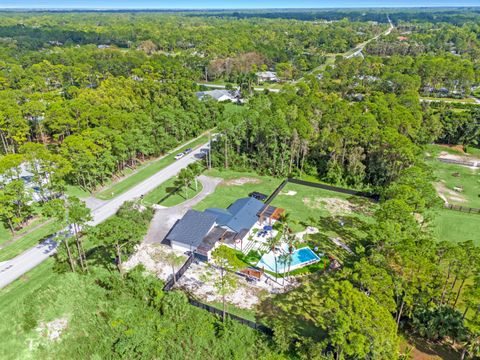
199 281
241 181
448 195
448 156
152 256
335 206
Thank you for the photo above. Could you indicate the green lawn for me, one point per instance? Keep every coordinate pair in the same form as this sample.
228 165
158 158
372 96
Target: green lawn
450 176
76 191
323 209
163 195
231 189
28 241
6 234
147 170
456 226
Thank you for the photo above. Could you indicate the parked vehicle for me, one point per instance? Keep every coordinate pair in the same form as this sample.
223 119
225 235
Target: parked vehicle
179 156
187 151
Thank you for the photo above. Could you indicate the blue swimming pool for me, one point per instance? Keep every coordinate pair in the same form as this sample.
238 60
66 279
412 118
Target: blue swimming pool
300 257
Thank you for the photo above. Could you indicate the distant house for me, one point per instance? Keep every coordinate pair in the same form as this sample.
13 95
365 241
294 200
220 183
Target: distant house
22 173
220 95
200 232
267 76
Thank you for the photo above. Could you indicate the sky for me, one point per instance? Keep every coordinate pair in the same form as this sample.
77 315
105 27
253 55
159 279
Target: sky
224 4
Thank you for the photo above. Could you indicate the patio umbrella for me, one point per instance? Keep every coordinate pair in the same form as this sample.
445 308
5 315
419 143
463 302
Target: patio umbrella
267 228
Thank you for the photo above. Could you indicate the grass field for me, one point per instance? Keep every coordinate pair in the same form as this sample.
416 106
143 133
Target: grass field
307 206
6 234
28 241
451 176
147 170
162 194
236 185
456 226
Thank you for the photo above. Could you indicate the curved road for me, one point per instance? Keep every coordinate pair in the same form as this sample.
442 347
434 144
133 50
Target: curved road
16 267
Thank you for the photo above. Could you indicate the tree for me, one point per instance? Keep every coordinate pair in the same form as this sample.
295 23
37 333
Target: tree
58 210
117 233
333 314
226 260
78 216
174 260
184 180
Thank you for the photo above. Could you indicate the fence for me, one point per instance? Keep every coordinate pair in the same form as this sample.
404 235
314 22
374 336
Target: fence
168 286
466 163
276 192
462 208
364 194
249 323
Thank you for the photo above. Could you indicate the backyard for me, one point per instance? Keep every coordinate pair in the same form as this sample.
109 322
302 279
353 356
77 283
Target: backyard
338 219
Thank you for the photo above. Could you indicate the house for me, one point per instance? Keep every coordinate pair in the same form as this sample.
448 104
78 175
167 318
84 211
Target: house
220 95
267 76
188 233
201 232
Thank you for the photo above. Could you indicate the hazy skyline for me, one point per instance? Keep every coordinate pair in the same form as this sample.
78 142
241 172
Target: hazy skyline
217 4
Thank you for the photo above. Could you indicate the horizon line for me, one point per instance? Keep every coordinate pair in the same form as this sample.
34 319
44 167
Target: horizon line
233 9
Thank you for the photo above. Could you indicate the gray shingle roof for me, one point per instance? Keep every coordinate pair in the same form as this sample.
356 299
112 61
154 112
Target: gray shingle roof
242 214
192 228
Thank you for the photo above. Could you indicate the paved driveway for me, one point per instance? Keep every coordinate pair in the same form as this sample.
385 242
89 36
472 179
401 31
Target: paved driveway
165 218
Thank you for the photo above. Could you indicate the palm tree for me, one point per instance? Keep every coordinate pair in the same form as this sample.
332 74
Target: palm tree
272 244
174 260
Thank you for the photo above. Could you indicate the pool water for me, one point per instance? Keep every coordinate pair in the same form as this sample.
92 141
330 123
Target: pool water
300 258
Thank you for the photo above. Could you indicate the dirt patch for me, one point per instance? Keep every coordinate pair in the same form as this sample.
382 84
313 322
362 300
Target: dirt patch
241 181
152 256
448 156
53 329
447 194
289 193
458 148
334 206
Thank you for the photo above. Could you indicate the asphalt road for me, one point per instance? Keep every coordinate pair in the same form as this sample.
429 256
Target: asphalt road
16 267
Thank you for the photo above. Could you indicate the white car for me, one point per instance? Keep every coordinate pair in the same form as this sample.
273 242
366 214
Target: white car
179 156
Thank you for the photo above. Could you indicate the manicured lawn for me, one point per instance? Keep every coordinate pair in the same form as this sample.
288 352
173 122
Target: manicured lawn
334 214
236 185
455 226
459 176
28 241
164 196
306 205
147 170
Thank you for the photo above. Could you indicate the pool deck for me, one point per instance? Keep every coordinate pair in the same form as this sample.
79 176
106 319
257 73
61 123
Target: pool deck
267 262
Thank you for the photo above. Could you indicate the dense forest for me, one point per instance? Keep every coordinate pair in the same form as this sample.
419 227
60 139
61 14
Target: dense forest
85 96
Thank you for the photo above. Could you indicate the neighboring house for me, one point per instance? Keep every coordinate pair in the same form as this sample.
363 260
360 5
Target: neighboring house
201 232
267 76
26 176
220 95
